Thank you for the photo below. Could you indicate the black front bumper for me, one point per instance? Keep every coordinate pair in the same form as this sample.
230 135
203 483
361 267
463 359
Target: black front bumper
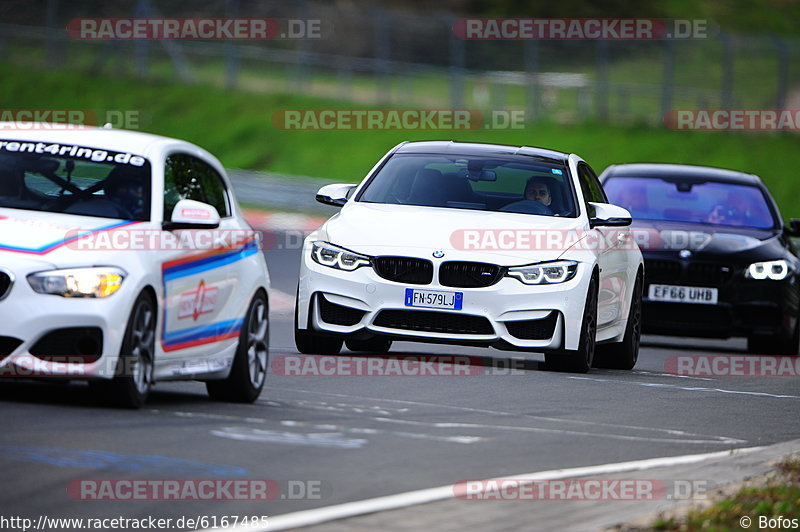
745 308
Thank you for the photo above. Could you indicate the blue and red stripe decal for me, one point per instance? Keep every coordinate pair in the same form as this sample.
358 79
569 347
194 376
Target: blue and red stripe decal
47 248
216 258
204 334
193 265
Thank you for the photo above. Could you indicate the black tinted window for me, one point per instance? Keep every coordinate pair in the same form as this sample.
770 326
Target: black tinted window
708 203
524 185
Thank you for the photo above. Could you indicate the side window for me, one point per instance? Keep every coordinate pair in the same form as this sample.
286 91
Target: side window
187 177
591 188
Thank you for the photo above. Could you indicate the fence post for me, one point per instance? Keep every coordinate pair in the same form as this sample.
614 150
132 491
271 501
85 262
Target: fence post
668 81
726 90
231 50
531 53
601 92
302 66
51 47
383 44
457 58
783 72
142 46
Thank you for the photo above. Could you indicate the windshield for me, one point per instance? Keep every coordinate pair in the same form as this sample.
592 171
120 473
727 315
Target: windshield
74 180
711 202
517 185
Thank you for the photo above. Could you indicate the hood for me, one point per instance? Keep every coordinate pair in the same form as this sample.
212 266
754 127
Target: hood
40 234
410 230
711 239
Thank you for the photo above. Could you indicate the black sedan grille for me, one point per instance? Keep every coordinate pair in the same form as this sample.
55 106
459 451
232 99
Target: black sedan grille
690 273
5 284
708 273
469 274
657 271
436 322
408 270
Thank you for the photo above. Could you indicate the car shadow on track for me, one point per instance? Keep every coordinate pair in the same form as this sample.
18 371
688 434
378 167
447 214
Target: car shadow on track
716 345
490 362
64 393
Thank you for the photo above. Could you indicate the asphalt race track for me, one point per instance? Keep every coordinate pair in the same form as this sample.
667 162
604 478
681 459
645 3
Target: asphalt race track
325 440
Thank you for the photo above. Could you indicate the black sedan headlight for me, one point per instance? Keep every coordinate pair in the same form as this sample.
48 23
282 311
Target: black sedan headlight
775 270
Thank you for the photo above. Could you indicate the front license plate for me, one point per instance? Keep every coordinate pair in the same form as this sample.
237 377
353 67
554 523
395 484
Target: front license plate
434 299
683 294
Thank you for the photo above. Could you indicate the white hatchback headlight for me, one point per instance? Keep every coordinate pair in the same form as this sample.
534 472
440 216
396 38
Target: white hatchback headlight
545 272
777 270
336 257
78 282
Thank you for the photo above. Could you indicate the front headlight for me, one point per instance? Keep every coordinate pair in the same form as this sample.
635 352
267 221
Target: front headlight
545 272
336 257
78 282
777 270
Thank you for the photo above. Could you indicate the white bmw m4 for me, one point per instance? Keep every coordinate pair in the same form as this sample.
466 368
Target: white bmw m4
474 244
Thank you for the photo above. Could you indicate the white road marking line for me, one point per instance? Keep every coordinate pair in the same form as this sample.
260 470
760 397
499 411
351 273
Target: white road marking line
675 432
362 430
690 388
656 374
260 435
423 496
716 439
318 439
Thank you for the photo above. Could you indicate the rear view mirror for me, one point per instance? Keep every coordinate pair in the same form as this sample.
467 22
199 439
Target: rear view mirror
335 195
794 227
191 214
608 215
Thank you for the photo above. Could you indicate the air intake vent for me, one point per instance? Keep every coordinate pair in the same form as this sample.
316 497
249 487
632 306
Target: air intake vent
436 322
5 283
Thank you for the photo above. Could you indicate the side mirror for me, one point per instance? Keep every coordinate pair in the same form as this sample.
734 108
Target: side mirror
794 227
191 214
608 215
335 195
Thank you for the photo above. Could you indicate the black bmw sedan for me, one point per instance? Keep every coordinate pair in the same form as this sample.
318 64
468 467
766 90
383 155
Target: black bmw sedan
719 261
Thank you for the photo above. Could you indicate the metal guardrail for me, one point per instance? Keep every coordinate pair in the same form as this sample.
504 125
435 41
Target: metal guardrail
279 192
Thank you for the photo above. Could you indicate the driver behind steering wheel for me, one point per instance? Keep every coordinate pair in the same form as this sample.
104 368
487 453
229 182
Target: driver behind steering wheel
124 187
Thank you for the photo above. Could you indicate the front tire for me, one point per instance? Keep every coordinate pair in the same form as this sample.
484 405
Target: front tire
579 360
624 354
249 371
768 345
133 377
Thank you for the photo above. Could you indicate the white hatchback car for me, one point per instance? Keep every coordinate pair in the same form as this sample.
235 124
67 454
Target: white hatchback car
474 244
125 260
